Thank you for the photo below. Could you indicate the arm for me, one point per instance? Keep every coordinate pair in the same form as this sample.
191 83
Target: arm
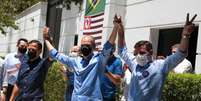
122 50
115 78
186 33
117 73
108 46
47 39
53 52
113 35
14 93
4 84
173 60
121 36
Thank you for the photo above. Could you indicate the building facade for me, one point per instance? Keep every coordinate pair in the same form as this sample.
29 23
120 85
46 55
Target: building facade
159 21
30 23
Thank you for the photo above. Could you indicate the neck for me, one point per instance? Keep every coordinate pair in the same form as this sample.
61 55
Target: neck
86 57
33 59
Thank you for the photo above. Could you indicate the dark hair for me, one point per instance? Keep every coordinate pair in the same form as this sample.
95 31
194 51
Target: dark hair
148 45
175 46
37 42
21 39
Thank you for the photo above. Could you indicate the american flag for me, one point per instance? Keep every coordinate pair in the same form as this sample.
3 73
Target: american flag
93 20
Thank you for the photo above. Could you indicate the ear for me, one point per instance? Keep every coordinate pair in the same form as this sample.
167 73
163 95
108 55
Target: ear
151 52
39 51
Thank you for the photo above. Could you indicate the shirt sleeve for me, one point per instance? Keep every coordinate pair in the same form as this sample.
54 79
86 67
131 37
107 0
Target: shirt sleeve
173 60
19 77
47 63
62 58
118 67
5 78
127 57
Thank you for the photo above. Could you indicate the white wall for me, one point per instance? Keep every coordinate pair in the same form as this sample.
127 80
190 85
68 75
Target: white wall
30 23
70 26
159 13
145 17
112 7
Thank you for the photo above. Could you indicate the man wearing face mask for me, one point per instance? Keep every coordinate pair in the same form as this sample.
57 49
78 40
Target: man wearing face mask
32 74
148 75
12 64
88 68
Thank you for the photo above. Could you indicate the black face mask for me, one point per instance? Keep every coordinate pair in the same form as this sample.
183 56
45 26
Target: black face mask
31 54
22 50
86 50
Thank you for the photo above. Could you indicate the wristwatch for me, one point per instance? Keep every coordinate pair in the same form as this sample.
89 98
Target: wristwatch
186 36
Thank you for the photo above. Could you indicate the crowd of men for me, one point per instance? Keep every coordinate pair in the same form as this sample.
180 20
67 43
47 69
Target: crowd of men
93 76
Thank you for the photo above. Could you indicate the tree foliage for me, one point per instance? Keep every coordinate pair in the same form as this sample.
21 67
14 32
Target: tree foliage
67 3
10 8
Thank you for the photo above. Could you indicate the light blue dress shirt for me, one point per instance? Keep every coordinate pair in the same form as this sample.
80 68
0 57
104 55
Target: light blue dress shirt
88 73
147 82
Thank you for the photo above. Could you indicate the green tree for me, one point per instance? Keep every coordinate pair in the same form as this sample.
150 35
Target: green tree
67 3
10 8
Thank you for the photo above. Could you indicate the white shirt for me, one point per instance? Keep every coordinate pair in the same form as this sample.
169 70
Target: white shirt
3 75
12 64
184 67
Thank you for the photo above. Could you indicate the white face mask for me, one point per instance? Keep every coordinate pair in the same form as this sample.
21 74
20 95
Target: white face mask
73 54
142 59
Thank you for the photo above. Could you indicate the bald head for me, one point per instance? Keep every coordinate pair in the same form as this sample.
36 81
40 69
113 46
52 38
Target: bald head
88 40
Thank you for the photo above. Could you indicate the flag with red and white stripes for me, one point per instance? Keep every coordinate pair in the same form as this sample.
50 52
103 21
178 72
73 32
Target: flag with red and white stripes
93 20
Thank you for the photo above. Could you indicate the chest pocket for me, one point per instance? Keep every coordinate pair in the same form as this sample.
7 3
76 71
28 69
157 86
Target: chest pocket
28 76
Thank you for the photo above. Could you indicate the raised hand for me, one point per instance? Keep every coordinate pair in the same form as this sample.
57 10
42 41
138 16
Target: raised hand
115 21
189 26
46 35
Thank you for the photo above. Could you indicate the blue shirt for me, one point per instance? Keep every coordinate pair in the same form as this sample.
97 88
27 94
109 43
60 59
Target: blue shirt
31 78
108 89
147 82
87 73
70 76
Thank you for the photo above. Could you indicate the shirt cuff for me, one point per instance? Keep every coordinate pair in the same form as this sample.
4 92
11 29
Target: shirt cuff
108 45
53 53
122 49
5 84
181 53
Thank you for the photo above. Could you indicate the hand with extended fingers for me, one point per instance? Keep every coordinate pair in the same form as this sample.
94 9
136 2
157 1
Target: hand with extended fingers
189 26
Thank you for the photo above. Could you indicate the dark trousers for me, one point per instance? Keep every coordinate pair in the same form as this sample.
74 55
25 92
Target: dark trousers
9 92
68 92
